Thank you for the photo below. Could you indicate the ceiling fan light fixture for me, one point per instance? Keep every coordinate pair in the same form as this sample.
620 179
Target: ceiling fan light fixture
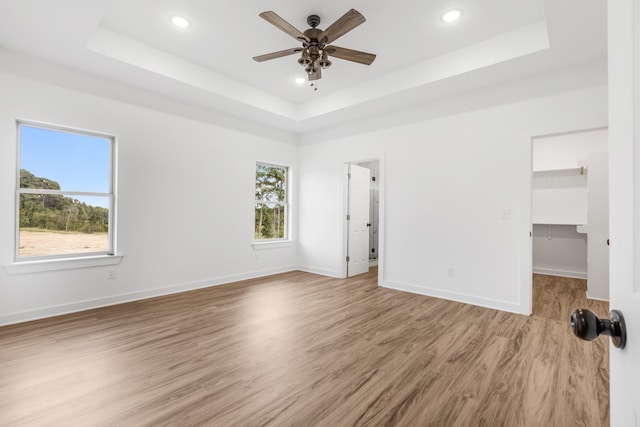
311 69
304 58
180 21
324 62
451 15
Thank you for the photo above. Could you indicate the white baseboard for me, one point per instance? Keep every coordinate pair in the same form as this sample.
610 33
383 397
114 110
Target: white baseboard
320 271
41 313
454 296
597 299
560 273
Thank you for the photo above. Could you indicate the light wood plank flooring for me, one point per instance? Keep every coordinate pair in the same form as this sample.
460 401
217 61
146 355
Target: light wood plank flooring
298 349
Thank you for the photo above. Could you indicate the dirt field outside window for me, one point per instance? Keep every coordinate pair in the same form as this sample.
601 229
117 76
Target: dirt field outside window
42 243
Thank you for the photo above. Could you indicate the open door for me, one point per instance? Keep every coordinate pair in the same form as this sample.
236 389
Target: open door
358 221
623 324
624 205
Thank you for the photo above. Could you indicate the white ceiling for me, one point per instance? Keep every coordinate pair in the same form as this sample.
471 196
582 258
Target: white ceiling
210 64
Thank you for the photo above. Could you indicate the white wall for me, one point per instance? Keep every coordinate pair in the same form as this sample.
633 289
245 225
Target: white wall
184 202
567 151
559 197
446 183
559 250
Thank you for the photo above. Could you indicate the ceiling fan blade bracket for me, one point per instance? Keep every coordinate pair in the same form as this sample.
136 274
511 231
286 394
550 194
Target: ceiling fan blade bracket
279 54
350 55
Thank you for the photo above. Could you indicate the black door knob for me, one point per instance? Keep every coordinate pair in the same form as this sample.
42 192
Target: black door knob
587 326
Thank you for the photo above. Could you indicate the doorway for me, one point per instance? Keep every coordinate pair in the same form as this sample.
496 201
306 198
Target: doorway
570 216
374 208
362 214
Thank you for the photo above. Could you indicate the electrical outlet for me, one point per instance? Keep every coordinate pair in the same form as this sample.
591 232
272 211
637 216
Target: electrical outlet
450 272
111 274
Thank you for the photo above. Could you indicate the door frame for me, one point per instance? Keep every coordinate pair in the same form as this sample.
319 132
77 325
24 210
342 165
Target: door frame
344 184
527 261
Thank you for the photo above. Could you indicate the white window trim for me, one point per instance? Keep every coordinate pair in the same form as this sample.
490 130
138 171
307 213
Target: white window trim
272 244
44 265
29 264
287 240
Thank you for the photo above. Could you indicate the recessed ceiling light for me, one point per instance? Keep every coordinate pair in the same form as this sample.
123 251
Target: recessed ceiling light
300 80
180 21
451 15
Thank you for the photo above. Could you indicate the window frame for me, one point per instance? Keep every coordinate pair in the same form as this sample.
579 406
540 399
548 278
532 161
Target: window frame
286 204
110 195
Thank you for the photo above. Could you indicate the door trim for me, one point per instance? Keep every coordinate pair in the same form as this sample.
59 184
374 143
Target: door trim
344 183
526 289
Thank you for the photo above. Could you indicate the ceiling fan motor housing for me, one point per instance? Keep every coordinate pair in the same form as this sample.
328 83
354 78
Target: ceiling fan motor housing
314 46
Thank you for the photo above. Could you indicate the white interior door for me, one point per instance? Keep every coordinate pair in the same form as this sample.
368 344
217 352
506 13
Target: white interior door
357 220
624 200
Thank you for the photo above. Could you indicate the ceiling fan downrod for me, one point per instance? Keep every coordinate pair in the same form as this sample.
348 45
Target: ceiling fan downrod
313 21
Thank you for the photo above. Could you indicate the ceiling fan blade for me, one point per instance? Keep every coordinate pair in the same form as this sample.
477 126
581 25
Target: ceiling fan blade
350 55
317 75
343 25
279 54
274 19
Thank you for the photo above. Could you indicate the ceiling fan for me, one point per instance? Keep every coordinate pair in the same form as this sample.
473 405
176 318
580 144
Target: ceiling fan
316 46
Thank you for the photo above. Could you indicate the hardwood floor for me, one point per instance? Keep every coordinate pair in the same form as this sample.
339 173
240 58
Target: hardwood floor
298 349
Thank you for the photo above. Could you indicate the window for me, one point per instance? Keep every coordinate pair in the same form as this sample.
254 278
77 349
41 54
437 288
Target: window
64 196
272 208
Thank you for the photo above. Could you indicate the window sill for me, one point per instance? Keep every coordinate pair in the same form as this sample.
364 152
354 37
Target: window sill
25 267
274 244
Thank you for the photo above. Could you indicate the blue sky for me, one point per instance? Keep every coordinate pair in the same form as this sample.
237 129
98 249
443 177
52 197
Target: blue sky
76 162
